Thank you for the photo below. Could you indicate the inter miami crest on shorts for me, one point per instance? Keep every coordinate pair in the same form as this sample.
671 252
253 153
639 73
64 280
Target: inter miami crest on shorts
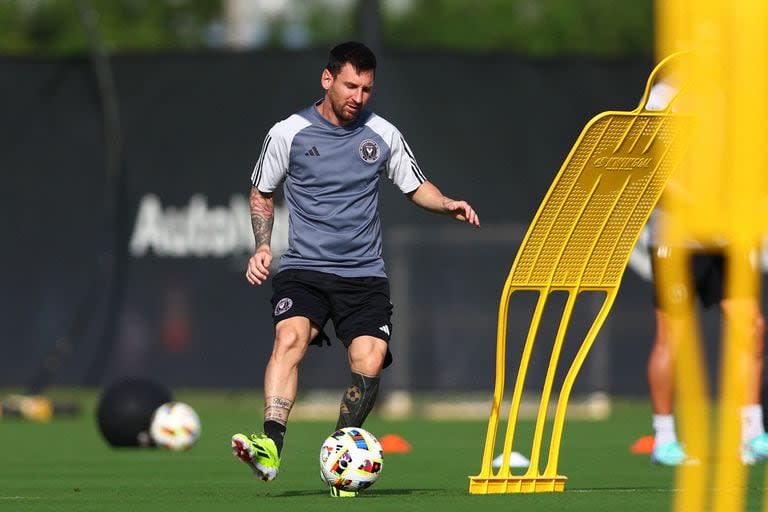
283 305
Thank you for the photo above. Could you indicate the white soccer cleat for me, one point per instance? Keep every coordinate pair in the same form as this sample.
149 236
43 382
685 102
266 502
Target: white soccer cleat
755 450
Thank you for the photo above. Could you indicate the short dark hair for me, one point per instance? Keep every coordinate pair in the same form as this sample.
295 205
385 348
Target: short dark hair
360 56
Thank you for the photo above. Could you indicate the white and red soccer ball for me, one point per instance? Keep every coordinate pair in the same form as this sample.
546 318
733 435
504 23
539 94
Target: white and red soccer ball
351 459
175 426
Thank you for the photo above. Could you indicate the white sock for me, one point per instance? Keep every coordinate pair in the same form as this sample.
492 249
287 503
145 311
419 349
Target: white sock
751 422
664 428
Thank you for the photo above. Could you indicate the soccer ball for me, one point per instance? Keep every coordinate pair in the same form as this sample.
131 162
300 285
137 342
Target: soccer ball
351 459
175 426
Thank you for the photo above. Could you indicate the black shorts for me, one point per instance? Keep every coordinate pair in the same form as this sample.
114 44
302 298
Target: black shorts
708 278
357 306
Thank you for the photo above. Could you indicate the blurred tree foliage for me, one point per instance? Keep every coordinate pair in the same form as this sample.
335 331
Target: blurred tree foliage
54 26
534 27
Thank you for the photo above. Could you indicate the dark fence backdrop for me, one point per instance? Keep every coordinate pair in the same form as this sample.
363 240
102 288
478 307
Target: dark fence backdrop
492 129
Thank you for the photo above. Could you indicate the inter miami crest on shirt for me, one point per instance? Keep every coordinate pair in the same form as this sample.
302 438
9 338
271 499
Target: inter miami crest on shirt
369 151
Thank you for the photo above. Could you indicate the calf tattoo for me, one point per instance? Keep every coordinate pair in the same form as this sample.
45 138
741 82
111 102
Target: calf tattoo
357 401
277 409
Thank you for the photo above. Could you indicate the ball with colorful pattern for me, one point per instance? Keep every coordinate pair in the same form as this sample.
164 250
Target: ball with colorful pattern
351 459
175 426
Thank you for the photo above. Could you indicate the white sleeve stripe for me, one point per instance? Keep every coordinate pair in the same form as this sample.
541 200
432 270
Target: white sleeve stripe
260 162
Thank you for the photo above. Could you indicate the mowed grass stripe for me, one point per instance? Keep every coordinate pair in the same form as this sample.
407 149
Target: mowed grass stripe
65 466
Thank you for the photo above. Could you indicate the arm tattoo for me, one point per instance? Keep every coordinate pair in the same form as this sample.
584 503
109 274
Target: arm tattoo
277 409
262 216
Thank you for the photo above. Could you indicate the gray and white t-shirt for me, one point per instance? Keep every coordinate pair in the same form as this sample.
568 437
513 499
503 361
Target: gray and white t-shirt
659 98
331 176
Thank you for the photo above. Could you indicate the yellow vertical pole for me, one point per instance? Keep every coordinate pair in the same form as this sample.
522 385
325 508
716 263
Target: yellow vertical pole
671 20
682 25
745 88
724 186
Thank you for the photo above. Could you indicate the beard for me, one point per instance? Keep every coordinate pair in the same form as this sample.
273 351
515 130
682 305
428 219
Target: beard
343 112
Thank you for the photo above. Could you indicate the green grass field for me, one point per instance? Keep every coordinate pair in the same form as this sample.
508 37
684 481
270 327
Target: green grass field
65 466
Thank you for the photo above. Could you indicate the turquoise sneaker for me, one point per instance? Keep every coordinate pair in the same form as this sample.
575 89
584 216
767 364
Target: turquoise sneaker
755 450
668 454
338 493
259 452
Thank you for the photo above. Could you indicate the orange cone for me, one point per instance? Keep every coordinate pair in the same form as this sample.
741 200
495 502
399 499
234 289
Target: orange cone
393 443
644 445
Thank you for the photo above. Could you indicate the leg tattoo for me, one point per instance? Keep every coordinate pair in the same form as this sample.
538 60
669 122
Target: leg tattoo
276 411
357 401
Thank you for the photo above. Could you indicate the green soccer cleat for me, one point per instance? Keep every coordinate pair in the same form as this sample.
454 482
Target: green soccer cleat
338 493
259 452
755 450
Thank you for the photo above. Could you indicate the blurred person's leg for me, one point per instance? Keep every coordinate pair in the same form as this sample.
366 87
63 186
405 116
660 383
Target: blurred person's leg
753 437
666 448
660 370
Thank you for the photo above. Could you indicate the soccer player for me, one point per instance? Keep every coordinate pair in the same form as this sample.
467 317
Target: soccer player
708 274
330 156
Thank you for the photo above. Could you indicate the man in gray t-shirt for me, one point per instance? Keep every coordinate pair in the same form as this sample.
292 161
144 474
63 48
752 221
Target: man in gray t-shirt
330 158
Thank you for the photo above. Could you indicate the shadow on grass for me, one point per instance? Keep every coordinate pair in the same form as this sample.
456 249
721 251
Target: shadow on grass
364 495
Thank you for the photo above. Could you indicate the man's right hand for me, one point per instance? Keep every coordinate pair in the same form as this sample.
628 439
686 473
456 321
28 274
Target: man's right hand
258 265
